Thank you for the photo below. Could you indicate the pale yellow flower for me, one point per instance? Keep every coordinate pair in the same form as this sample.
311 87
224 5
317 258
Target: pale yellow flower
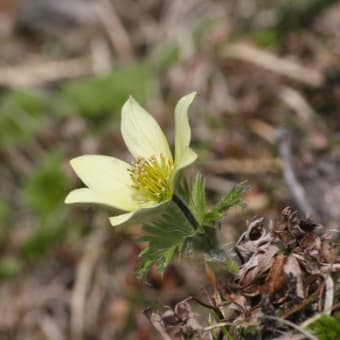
149 182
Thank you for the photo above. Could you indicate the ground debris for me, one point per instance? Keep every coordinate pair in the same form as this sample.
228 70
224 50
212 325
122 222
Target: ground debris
285 271
178 323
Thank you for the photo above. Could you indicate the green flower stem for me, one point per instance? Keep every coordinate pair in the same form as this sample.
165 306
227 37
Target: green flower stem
186 211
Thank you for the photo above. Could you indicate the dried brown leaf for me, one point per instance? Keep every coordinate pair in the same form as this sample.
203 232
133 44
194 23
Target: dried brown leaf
257 265
276 278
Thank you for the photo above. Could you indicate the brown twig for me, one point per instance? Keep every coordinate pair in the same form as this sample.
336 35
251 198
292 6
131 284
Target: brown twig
296 101
263 130
282 66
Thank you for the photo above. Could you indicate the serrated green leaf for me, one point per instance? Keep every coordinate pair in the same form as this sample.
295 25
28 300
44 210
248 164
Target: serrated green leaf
197 202
167 238
235 197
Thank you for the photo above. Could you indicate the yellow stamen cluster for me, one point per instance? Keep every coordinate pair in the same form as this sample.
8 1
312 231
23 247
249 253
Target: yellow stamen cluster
151 178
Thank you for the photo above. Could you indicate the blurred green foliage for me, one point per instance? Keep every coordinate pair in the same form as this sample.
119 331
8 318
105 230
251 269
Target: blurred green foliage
93 98
202 31
45 189
326 328
4 220
296 14
44 193
267 38
42 240
9 267
24 115
165 56
4 211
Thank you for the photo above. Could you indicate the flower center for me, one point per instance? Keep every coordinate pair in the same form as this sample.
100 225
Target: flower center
151 178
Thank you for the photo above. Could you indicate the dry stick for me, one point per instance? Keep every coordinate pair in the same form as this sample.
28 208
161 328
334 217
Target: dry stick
50 328
45 72
116 32
218 325
101 55
263 129
206 305
92 252
156 321
293 325
329 294
289 336
275 64
300 306
297 190
295 100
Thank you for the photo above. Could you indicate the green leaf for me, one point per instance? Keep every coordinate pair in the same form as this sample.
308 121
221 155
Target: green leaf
326 328
197 202
235 197
182 187
167 238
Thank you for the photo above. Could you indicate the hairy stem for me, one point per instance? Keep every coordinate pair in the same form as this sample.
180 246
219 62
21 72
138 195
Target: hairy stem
186 211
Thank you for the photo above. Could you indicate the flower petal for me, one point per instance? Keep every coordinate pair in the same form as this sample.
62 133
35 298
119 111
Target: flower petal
138 216
188 157
141 132
85 195
120 219
108 178
183 154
